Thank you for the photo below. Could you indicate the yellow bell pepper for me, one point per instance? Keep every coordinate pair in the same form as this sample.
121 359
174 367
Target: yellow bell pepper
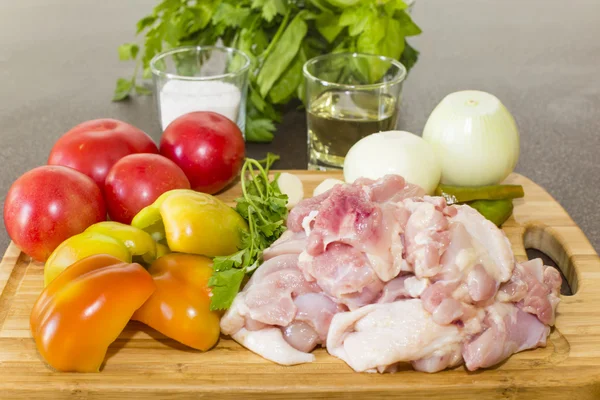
193 222
84 310
180 306
113 238
137 241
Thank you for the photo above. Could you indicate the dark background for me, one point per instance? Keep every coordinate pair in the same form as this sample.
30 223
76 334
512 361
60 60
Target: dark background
58 66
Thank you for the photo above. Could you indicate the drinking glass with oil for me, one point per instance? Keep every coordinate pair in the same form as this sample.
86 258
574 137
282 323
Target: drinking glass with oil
348 96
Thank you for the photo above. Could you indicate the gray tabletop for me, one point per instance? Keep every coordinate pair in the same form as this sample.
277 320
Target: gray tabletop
58 65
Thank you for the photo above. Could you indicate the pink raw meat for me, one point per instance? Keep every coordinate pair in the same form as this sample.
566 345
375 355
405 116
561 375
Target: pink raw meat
385 275
536 288
343 273
289 243
509 330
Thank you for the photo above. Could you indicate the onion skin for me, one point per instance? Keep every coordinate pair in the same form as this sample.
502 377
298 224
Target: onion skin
475 139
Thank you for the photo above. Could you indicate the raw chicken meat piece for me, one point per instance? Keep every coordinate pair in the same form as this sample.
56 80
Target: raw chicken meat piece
509 330
470 269
426 238
302 209
395 290
492 245
301 336
439 361
343 273
269 297
346 216
384 275
390 188
536 288
289 243
387 259
403 287
279 305
377 336
317 309
270 344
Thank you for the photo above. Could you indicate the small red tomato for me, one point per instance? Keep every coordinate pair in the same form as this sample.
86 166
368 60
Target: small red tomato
207 146
94 146
135 181
49 204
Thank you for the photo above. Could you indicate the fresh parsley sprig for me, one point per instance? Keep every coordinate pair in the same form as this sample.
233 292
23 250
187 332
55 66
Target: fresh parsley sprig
263 206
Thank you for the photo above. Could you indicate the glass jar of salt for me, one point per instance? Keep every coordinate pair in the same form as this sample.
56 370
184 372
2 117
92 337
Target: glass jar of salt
201 78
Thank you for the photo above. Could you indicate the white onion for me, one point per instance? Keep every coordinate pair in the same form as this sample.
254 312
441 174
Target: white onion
393 152
474 137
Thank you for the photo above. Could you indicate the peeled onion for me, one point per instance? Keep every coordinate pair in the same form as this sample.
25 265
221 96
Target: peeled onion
393 152
474 137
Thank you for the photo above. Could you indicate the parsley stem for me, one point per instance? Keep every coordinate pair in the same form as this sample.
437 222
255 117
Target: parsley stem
263 174
251 224
245 168
243 181
278 34
254 182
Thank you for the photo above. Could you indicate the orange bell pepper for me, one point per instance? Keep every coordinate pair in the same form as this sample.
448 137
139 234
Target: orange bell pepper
180 306
85 308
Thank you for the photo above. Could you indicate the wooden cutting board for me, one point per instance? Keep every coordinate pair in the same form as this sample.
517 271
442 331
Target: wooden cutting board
142 363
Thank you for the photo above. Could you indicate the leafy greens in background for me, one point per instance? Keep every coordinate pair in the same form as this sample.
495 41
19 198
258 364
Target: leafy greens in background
278 36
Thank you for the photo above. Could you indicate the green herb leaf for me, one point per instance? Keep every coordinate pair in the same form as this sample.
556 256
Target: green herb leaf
145 23
202 14
392 44
147 73
282 55
268 162
263 207
408 27
270 8
409 56
228 262
368 41
258 102
353 16
259 130
123 89
286 86
329 26
225 285
394 5
128 51
152 45
259 108
230 16
142 90
357 28
166 5
343 3
322 5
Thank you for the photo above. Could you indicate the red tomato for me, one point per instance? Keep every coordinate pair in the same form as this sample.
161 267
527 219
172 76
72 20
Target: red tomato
49 204
135 181
94 146
207 146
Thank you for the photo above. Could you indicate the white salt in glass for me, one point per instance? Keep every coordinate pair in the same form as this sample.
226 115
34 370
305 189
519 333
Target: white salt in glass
201 78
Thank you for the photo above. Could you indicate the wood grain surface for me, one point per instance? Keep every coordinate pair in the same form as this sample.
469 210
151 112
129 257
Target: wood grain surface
142 363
